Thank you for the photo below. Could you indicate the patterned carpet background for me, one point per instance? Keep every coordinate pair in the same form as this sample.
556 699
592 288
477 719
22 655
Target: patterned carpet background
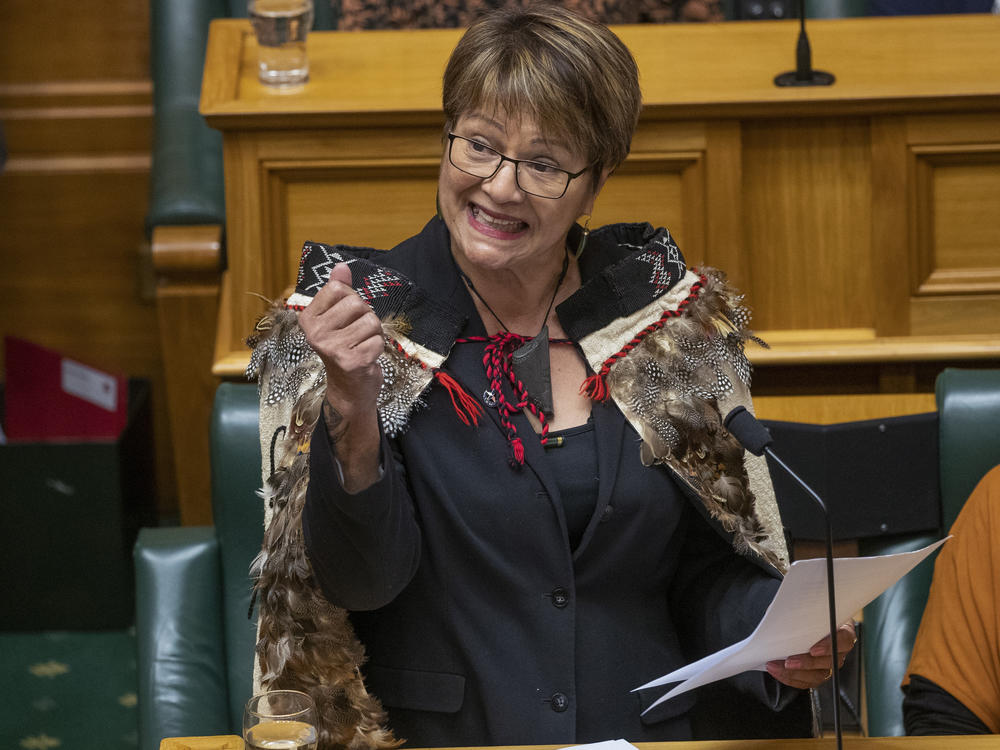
68 691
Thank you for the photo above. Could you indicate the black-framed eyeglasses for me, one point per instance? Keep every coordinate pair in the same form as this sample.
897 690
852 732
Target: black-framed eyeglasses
533 177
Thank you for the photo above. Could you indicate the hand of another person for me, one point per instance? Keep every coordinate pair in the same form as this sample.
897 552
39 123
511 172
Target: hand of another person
347 335
816 667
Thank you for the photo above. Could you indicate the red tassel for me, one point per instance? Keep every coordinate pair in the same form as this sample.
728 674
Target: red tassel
595 388
518 447
466 407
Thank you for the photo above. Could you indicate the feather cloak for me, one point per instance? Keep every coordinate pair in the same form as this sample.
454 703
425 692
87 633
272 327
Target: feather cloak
673 367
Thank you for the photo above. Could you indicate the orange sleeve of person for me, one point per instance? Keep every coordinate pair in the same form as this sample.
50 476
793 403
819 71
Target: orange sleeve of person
958 643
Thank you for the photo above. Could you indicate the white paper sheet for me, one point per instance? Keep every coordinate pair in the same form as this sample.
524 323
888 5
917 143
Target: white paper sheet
609 744
798 616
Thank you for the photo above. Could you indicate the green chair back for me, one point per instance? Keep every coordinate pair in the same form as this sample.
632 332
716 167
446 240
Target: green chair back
968 404
239 526
969 408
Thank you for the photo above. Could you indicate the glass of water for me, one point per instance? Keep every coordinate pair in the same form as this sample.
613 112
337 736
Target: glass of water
281 27
280 720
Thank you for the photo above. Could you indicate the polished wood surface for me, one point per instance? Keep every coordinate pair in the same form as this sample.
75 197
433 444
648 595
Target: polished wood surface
980 742
900 64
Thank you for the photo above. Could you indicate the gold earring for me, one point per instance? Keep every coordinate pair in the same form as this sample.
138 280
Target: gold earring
583 238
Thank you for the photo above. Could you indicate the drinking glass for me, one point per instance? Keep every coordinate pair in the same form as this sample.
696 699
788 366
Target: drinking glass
281 27
280 720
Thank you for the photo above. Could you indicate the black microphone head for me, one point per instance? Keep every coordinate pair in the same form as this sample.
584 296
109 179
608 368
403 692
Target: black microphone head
746 428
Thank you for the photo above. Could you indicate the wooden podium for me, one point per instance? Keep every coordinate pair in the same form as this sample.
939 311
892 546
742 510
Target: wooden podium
860 219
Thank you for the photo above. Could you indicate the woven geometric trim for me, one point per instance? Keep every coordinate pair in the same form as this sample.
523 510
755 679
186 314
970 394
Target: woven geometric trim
600 345
430 321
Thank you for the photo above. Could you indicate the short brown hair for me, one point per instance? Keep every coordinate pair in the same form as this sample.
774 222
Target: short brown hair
572 76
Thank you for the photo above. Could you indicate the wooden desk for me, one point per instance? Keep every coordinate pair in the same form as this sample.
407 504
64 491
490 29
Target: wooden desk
860 219
982 742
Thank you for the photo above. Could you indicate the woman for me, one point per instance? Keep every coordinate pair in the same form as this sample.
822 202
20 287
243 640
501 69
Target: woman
519 485
952 684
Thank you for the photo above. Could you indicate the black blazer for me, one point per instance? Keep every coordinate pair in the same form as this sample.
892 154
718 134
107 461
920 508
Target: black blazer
482 626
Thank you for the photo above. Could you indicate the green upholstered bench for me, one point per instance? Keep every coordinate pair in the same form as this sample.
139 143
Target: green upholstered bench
194 639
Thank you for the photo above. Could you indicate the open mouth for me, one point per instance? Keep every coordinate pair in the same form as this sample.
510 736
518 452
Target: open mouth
495 225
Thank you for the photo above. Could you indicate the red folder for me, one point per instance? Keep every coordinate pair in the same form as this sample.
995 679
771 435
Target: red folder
51 397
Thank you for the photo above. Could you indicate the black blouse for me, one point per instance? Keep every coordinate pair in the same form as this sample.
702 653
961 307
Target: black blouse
572 457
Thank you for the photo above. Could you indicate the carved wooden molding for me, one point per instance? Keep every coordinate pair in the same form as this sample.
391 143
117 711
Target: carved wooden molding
930 277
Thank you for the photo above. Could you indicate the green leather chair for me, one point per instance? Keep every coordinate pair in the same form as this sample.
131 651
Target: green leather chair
968 404
194 639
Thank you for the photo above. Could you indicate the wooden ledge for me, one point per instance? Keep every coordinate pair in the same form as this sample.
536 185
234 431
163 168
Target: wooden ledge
848 346
883 65
799 347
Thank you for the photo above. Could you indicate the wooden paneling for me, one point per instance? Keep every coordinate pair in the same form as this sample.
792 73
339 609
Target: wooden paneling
966 219
63 119
954 239
377 206
807 213
958 241
76 110
892 225
832 409
61 41
951 315
724 242
654 189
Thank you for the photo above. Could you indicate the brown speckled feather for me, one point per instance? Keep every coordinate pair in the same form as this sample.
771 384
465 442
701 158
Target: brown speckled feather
671 384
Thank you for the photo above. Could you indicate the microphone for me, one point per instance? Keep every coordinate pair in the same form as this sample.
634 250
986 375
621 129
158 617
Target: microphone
756 438
803 75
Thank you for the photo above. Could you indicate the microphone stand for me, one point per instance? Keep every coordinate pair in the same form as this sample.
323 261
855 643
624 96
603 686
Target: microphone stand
831 592
804 75
756 438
